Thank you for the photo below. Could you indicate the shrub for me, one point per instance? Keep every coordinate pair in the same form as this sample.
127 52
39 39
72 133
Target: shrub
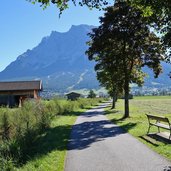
6 165
59 106
20 127
9 154
91 94
5 127
71 106
43 116
51 107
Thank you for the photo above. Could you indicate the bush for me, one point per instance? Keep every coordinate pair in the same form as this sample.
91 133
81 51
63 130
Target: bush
70 106
91 94
6 165
59 106
9 155
20 127
5 127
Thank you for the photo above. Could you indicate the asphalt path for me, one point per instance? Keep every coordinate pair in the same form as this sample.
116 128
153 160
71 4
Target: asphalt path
96 144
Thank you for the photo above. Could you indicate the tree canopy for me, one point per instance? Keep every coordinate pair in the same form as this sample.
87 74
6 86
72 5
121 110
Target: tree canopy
91 94
64 4
113 82
121 46
159 15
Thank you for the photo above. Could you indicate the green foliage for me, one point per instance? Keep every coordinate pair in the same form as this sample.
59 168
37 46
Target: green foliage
5 127
159 14
29 124
70 106
64 4
57 106
91 94
121 46
43 115
6 165
83 103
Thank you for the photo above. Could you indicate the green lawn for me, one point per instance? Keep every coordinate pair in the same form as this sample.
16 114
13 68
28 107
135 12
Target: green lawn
151 97
137 124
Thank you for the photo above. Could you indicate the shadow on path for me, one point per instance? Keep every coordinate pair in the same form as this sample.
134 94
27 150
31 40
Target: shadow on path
88 132
83 135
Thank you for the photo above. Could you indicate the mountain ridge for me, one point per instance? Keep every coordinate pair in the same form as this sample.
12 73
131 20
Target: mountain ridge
56 56
60 61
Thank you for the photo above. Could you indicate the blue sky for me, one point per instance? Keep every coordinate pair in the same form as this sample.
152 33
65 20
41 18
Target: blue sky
23 25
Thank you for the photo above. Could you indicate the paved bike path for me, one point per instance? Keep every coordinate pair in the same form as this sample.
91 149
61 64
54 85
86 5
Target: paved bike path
98 145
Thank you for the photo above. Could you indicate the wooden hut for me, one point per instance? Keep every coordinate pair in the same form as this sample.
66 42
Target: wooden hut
73 96
15 92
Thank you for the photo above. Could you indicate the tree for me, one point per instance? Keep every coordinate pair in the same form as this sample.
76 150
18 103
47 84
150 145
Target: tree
64 4
91 94
125 43
112 82
159 14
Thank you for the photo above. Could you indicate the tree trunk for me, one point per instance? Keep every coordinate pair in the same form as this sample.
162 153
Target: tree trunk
126 115
113 102
116 99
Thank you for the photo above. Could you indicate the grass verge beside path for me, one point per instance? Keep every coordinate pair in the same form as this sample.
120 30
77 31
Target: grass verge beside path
137 124
51 147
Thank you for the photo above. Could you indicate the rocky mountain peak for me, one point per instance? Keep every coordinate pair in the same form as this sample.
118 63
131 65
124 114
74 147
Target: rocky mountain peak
59 59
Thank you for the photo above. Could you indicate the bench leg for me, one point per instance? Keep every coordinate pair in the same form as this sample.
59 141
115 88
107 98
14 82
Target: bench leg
170 135
158 129
148 129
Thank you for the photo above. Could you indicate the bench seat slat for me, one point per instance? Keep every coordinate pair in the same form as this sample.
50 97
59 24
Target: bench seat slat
159 118
161 125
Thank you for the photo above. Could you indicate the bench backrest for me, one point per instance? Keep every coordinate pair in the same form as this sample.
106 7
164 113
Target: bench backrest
158 118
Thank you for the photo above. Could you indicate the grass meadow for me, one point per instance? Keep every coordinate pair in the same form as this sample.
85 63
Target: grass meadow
137 124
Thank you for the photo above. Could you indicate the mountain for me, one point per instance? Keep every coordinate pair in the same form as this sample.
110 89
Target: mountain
60 61
163 81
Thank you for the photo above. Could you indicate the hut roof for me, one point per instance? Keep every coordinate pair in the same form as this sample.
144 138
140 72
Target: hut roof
73 93
21 85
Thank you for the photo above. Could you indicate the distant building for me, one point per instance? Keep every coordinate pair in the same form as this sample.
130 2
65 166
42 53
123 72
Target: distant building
15 92
73 96
130 96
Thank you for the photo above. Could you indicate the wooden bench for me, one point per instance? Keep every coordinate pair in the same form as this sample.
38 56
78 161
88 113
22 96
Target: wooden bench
159 122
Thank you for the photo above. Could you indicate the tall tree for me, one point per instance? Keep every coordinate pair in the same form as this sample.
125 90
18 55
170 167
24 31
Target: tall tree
64 4
112 82
159 17
125 41
91 94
